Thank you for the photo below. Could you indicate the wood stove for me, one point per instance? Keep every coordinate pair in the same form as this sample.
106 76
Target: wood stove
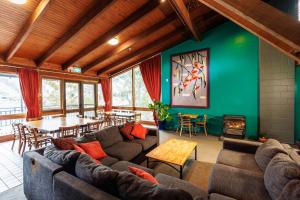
234 126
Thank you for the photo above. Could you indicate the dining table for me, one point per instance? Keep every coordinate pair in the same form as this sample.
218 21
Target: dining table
128 115
53 125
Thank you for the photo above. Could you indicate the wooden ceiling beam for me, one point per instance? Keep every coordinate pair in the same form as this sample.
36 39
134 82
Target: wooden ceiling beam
96 10
135 16
275 27
130 42
141 50
180 8
123 68
27 28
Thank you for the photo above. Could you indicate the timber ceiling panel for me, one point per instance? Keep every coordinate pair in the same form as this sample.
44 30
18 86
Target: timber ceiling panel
57 19
12 18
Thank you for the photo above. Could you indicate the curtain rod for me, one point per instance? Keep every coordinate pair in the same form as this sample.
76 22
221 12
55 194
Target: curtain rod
18 66
132 66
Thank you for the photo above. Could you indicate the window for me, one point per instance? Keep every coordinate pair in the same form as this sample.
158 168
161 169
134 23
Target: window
88 96
122 90
72 95
51 94
11 101
142 98
101 101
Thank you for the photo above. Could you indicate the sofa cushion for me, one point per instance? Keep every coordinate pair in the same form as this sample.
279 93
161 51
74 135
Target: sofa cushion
238 159
142 174
94 149
123 166
133 187
215 196
108 161
126 130
109 136
173 182
96 174
266 152
279 172
65 158
63 143
89 137
237 183
139 131
124 150
147 143
291 190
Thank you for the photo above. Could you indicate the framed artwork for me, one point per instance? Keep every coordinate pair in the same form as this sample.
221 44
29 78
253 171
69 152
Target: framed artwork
190 79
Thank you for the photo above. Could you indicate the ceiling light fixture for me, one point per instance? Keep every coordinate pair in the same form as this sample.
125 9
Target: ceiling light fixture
18 1
113 41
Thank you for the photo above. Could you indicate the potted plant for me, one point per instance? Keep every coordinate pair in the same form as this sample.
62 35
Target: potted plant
262 137
161 114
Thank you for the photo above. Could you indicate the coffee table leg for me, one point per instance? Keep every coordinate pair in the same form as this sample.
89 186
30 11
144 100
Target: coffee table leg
181 169
147 162
196 153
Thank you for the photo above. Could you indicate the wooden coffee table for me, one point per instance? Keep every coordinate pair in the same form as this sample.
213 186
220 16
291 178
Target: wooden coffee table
173 152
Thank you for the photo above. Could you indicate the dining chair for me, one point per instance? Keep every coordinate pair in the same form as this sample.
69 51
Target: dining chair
69 131
185 124
202 124
16 134
93 126
36 139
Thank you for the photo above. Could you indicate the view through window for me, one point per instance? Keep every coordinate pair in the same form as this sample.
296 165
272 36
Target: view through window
122 90
100 96
72 95
88 95
51 94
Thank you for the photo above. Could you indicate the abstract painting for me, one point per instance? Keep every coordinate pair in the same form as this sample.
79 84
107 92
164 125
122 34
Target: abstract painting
190 79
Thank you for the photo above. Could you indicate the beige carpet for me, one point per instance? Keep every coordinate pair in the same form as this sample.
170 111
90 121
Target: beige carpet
195 172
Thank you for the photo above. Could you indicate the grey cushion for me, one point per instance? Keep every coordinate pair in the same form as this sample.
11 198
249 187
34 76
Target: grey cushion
215 196
266 152
147 143
237 183
279 172
173 182
238 159
109 136
65 158
123 166
124 150
108 161
134 188
291 190
86 138
96 174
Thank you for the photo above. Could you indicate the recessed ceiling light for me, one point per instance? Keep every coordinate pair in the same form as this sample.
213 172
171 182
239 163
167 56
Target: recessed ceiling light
162 1
113 41
18 1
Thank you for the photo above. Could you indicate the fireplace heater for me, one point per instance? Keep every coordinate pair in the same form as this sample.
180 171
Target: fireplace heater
234 126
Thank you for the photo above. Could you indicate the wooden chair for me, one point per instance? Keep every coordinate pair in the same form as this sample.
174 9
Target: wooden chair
202 124
16 135
69 131
35 139
94 126
185 123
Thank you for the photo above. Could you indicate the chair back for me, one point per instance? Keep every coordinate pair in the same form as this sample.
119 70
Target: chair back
184 120
205 118
69 131
16 129
94 126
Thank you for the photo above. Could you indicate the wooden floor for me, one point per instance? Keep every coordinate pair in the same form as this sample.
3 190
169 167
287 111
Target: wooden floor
11 169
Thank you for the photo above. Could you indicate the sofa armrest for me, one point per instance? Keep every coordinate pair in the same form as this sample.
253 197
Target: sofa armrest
245 146
69 187
153 131
38 173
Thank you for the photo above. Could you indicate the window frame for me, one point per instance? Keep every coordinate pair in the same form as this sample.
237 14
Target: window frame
61 94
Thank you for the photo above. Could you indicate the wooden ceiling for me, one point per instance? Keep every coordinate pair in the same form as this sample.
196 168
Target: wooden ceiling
58 34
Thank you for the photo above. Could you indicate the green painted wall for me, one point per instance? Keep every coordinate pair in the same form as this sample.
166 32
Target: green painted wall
297 104
233 76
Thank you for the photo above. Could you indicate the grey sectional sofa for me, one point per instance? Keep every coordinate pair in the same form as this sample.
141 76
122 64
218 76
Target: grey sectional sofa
46 180
243 172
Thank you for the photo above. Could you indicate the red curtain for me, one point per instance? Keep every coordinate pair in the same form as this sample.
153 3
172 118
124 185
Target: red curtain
106 90
30 88
151 73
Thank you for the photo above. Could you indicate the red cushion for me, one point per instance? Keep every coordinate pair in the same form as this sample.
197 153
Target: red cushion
78 148
94 149
142 174
126 130
64 143
139 131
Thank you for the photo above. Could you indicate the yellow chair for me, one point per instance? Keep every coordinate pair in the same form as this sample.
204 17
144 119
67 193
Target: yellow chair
202 124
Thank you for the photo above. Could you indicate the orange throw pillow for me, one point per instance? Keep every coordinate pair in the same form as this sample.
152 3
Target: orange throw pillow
139 131
64 143
94 149
126 130
78 148
142 174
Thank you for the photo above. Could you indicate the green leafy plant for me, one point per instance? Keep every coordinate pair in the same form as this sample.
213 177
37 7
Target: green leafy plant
161 111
